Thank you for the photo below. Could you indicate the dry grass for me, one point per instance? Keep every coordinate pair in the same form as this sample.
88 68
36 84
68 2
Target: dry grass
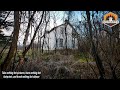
60 67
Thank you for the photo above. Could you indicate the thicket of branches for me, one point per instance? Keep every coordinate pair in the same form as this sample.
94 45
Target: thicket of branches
95 40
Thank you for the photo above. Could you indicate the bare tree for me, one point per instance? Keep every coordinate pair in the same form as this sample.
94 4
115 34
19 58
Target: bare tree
6 64
55 32
94 52
45 30
36 30
27 30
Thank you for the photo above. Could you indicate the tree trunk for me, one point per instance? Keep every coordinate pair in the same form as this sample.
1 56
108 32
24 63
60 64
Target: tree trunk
5 65
94 52
66 38
56 41
27 30
37 28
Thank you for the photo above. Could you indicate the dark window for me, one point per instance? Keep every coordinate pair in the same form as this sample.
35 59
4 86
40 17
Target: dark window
61 42
73 44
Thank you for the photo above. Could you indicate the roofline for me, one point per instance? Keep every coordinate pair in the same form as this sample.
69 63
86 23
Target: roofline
55 28
59 26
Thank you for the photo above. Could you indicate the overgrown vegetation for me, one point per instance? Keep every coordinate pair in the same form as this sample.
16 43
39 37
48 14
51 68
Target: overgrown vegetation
86 50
